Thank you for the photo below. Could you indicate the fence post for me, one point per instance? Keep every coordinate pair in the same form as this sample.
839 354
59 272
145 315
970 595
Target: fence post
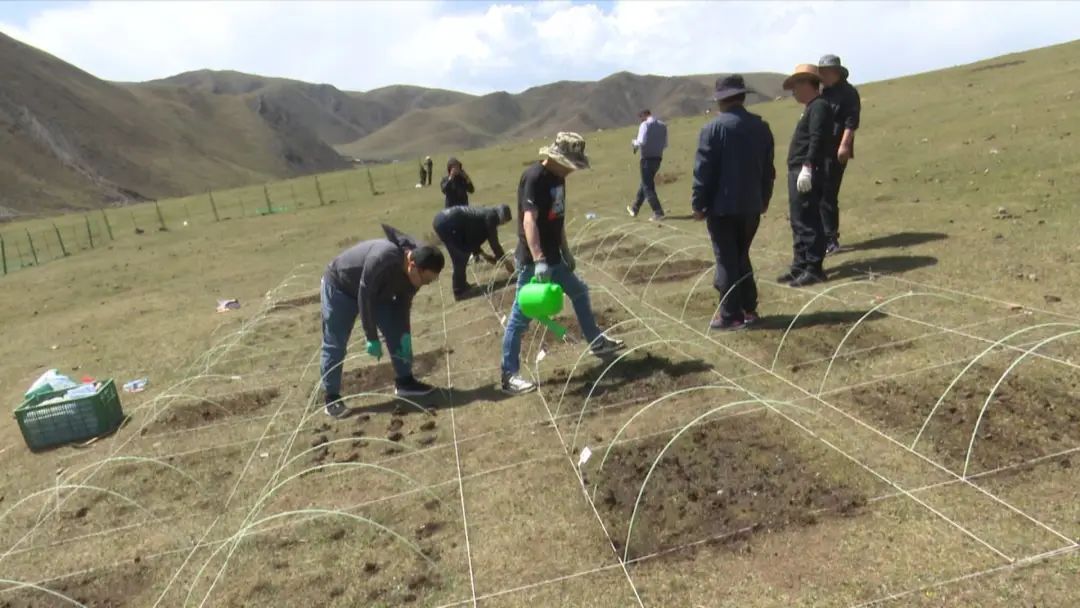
63 249
108 227
371 181
89 233
3 254
318 189
133 222
213 205
160 217
269 207
345 181
243 209
33 251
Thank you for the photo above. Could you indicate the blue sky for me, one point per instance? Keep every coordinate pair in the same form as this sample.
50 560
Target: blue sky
481 47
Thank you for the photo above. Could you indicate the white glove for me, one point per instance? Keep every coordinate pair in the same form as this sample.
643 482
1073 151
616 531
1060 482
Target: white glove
804 184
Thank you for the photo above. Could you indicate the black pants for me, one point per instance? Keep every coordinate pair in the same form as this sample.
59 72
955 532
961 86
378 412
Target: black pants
731 238
647 189
830 200
459 255
808 236
430 171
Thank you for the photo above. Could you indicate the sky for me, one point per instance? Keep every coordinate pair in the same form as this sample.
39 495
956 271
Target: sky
480 47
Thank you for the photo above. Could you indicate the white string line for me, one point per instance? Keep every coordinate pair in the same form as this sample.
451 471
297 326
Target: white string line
457 452
830 444
581 483
506 467
850 417
865 466
881 434
886 313
534 422
983 298
355 507
1020 563
165 395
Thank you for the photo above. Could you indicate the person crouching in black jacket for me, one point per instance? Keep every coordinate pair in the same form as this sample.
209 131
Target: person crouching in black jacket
464 230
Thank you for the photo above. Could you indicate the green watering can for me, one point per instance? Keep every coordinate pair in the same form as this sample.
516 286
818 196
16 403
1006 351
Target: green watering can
541 301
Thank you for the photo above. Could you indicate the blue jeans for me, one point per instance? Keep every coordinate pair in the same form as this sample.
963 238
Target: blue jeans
647 189
516 325
339 312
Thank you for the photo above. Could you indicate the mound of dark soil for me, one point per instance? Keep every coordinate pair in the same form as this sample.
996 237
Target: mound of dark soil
722 481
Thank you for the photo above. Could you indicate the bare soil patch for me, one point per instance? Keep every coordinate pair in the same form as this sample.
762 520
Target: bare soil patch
726 481
198 413
1027 418
673 270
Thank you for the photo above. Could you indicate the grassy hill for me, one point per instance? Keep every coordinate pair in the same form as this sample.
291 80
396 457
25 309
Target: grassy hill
541 111
962 200
71 140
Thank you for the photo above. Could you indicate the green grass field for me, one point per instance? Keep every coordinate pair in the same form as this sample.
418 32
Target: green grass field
876 454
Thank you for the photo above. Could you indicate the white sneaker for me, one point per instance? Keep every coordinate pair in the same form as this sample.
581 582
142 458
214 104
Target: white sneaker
656 217
514 384
631 211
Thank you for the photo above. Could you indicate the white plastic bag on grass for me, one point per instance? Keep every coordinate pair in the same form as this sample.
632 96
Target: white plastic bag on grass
50 381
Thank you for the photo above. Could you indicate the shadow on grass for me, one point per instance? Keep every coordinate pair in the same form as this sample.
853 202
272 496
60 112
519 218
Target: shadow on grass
441 399
651 370
825 318
892 264
900 239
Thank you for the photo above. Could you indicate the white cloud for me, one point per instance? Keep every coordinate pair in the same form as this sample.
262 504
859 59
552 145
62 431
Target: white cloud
485 47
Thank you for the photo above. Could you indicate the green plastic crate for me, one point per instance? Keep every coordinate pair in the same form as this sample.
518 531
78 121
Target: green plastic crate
77 419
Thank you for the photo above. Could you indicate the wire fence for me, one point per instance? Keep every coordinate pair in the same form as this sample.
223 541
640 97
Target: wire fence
36 242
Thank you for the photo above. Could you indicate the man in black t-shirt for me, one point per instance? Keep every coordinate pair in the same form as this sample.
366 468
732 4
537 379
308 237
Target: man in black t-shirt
811 144
847 108
542 252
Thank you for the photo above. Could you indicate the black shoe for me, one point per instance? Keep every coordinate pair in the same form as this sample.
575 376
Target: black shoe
411 387
335 407
787 277
465 293
832 247
718 323
750 317
807 278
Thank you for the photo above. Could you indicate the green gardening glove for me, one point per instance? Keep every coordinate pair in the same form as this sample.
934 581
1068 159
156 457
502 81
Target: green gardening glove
374 348
406 347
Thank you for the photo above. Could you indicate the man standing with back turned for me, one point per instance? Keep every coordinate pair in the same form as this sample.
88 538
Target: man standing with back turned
733 183
543 252
811 143
651 141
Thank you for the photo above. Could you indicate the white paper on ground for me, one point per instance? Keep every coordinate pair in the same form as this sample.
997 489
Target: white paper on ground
586 454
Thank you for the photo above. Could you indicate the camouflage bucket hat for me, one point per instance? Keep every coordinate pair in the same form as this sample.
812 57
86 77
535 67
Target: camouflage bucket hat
568 151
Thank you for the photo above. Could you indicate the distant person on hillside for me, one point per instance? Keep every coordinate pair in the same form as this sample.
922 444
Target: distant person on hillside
811 144
457 185
650 141
376 281
733 184
846 107
423 175
430 167
464 230
543 252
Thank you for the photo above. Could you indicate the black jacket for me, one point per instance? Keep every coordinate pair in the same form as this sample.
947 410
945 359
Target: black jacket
470 228
813 139
733 170
846 107
457 190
